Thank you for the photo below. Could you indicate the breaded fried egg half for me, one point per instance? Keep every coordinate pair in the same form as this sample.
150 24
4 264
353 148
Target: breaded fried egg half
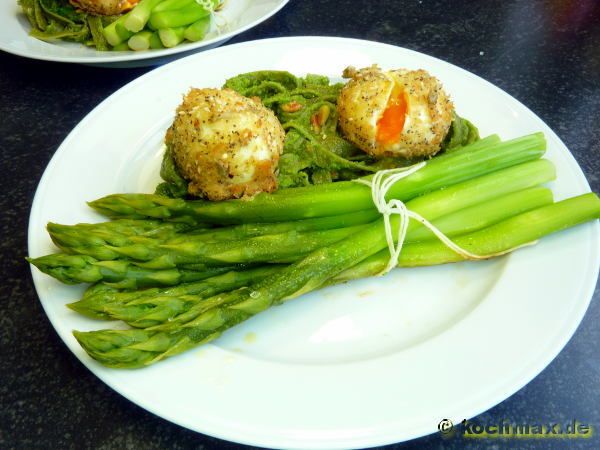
226 145
104 7
400 112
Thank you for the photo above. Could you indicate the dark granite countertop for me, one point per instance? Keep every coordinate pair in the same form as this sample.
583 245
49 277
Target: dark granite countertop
544 53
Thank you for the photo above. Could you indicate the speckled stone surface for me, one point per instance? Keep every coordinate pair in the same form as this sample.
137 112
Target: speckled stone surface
546 54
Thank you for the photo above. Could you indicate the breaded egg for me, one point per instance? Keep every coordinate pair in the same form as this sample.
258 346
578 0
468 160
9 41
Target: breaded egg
394 113
226 145
105 7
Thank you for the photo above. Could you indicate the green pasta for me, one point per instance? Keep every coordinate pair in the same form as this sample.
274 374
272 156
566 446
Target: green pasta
58 19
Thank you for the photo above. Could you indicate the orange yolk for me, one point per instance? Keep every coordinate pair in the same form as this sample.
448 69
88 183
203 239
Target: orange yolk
391 123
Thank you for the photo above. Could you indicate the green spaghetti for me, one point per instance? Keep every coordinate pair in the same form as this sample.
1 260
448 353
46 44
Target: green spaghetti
58 19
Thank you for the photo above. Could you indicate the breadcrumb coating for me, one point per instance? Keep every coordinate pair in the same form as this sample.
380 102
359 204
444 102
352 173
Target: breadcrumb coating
368 94
226 145
104 7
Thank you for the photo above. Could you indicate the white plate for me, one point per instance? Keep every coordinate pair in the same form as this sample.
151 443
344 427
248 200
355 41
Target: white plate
236 17
372 362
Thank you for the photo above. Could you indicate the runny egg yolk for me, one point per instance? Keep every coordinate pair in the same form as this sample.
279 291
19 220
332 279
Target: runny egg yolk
391 122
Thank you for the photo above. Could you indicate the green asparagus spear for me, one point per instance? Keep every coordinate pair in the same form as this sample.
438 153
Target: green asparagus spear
73 269
128 227
140 41
116 33
138 16
99 240
138 348
155 42
153 306
122 47
269 248
170 37
197 31
327 199
172 4
248 230
179 17
143 314
105 291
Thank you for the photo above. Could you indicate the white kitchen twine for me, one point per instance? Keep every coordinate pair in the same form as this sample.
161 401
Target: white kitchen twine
219 20
381 183
206 4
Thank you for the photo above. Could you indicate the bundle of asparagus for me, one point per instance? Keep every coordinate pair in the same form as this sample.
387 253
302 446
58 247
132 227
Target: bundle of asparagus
155 24
179 284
